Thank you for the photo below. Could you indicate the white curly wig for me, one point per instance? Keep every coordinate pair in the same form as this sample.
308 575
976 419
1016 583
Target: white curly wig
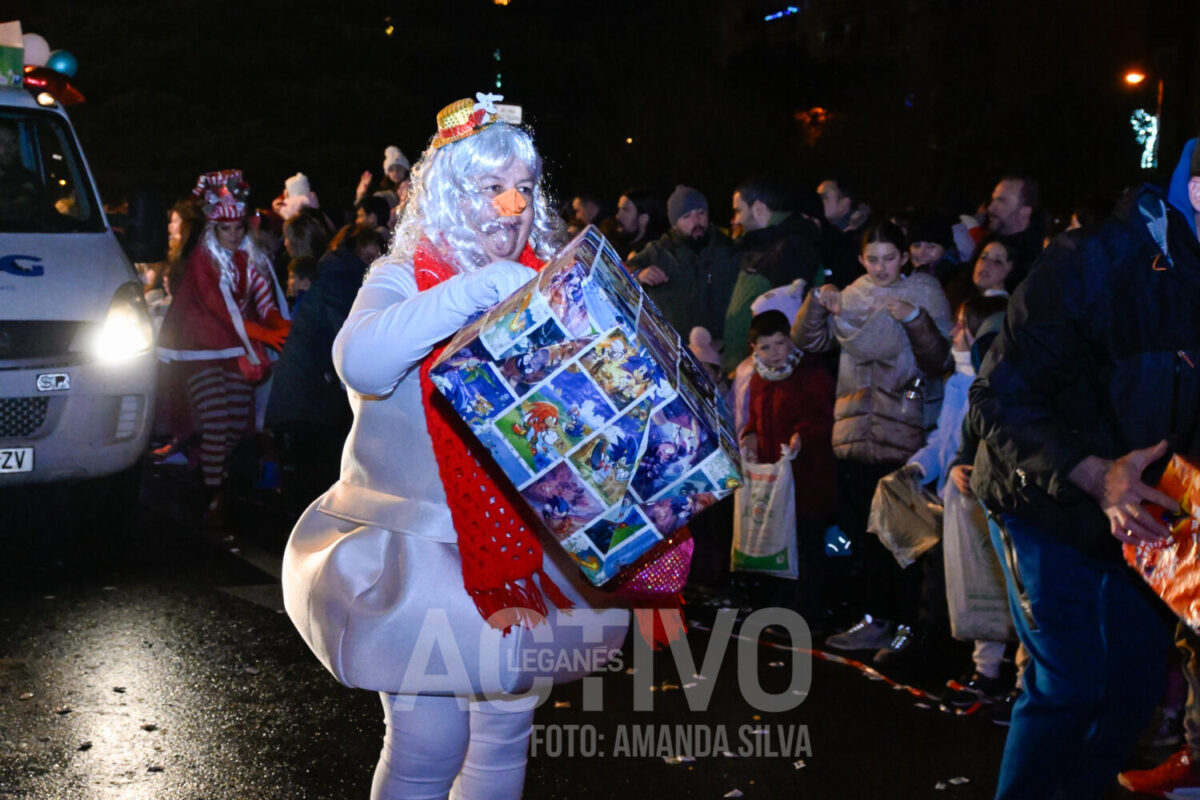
444 193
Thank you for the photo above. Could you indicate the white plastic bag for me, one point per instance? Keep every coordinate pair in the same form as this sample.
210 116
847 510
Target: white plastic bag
764 520
975 590
905 515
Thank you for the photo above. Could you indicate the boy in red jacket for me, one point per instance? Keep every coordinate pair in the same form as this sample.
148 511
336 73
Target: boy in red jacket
791 403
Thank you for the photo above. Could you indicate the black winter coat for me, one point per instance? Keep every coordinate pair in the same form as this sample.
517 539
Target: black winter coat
305 390
1098 356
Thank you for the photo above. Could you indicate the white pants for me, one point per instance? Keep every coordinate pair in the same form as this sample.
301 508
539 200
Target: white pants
437 747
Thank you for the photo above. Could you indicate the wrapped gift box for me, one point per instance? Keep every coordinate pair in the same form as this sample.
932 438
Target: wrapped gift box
605 422
1172 566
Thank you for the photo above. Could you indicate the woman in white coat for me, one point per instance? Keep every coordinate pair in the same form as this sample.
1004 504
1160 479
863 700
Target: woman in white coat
403 577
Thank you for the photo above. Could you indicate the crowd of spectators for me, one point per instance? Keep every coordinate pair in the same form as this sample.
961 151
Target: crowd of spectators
850 336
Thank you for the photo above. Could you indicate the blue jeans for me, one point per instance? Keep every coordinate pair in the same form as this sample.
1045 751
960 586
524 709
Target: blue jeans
1098 642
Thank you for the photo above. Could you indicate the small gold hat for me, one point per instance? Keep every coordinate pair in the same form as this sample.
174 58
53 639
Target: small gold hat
465 117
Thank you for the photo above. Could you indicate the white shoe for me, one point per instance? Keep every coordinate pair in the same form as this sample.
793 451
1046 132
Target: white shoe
866 634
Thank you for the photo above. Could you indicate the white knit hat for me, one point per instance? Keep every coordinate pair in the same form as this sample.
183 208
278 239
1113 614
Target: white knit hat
701 344
297 185
392 155
787 299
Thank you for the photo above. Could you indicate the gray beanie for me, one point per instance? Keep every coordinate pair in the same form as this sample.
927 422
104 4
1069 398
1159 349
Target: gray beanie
683 200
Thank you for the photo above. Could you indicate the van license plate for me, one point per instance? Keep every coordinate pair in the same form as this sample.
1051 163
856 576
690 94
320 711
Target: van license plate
16 459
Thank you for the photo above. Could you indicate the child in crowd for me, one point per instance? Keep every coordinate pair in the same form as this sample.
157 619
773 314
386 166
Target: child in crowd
893 333
791 403
934 461
302 271
982 317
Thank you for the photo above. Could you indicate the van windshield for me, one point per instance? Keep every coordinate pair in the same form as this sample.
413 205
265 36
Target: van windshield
43 186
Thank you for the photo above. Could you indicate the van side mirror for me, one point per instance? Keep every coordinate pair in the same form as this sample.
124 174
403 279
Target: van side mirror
143 231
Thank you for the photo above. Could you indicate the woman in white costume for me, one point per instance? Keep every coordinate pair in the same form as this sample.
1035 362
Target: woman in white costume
414 575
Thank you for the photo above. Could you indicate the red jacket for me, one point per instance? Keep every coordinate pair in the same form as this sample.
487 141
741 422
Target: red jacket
199 324
800 403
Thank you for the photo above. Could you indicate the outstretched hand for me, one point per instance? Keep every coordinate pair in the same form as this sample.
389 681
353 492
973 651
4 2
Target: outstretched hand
829 297
1117 486
651 276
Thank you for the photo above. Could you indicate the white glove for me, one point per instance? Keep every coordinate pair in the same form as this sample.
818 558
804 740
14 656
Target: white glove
474 291
392 326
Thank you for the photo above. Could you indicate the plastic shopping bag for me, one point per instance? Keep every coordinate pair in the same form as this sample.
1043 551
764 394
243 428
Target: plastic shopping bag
975 590
764 520
905 515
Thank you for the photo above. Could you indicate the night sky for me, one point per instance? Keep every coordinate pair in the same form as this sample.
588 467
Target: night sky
928 101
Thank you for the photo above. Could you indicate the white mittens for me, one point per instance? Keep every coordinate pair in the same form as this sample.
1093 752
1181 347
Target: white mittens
483 288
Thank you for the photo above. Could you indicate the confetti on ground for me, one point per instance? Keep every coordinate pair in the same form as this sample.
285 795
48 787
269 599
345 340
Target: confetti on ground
925 706
690 684
562 703
677 759
775 664
62 710
26 696
150 727
799 764
734 793
959 781
631 671
250 671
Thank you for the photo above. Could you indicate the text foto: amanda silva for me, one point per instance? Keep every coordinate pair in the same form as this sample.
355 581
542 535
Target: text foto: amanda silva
664 741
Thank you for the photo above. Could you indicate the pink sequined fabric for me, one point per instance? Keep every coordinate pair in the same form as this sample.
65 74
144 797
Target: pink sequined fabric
665 574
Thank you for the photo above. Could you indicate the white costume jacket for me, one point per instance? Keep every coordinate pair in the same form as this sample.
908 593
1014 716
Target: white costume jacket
372 577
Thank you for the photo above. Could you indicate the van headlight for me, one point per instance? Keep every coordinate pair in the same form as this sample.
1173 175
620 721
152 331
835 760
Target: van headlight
126 331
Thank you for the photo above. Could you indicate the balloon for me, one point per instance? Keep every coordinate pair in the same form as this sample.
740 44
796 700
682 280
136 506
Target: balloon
63 62
37 52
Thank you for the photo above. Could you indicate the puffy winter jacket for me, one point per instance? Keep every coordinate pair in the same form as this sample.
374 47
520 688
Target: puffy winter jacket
874 421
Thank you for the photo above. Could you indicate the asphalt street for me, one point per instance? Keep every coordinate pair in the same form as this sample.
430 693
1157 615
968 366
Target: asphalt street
143 656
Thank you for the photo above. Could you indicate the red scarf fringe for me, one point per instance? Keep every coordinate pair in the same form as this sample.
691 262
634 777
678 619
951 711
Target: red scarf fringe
500 552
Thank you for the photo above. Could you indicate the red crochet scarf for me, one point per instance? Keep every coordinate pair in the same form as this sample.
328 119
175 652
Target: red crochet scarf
500 552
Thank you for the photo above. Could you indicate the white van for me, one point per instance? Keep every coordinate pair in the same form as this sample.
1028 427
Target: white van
77 364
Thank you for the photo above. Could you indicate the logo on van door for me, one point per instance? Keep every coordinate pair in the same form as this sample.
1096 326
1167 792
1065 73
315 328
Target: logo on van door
11 265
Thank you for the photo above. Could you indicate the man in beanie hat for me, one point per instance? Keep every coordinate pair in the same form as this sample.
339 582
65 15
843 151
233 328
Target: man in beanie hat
690 270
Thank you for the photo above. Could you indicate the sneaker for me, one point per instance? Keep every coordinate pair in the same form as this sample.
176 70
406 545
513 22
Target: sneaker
976 688
866 634
1177 772
902 641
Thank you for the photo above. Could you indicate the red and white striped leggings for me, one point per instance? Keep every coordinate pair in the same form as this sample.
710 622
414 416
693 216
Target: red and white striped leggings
222 403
